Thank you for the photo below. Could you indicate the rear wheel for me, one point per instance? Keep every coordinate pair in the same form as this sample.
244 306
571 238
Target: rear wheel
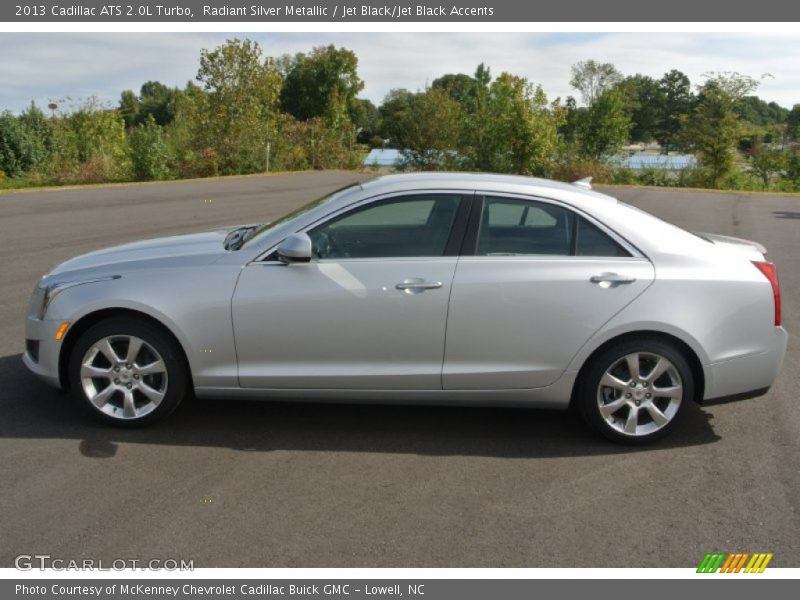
634 392
127 372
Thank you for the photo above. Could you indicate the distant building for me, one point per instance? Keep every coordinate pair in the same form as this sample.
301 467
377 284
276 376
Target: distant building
391 157
666 162
382 157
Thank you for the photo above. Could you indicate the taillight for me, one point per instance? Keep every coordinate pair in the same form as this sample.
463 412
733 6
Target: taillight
771 273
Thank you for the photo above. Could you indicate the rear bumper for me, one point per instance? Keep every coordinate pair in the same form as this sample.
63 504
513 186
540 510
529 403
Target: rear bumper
746 376
735 397
42 350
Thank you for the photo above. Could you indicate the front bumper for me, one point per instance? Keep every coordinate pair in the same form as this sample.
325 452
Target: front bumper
746 376
42 350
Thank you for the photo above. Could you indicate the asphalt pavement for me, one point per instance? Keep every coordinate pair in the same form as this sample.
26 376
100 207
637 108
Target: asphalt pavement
266 484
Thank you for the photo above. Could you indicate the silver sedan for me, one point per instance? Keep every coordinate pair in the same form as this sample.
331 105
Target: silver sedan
430 288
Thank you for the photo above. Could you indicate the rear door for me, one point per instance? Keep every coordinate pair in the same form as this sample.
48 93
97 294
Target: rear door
535 282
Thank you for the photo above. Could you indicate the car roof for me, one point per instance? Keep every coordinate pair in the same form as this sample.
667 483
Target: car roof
486 182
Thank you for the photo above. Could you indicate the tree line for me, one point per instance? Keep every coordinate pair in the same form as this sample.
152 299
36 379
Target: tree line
507 124
246 112
242 110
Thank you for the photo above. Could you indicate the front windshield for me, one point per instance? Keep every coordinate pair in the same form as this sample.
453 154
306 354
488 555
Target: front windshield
264 229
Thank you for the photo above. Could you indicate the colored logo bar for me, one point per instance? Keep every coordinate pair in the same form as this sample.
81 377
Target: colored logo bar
735 562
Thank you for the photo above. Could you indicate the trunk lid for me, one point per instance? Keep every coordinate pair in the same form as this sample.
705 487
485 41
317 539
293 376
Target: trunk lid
735 244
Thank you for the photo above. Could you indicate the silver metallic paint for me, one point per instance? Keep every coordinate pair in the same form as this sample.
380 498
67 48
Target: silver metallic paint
374 342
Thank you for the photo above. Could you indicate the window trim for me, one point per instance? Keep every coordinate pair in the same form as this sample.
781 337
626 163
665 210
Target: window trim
470 246
452 246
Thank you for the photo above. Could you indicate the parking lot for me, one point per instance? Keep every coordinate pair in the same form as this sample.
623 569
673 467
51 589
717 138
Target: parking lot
230 483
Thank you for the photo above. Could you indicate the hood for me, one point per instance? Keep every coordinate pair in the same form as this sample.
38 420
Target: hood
194 247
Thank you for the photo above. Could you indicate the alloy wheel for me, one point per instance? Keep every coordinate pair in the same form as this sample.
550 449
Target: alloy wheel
123 376
640 393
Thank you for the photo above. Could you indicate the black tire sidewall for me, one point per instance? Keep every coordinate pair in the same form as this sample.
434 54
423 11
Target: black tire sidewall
590 380
177 371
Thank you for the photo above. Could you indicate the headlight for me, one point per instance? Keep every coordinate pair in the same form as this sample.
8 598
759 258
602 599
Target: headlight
44 296
37 302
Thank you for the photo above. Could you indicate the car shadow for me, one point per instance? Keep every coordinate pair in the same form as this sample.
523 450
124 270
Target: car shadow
32 410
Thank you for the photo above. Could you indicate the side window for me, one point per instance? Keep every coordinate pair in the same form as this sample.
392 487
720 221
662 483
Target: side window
409 226
511 226
591 241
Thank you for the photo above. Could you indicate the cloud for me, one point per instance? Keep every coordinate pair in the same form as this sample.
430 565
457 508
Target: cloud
44 67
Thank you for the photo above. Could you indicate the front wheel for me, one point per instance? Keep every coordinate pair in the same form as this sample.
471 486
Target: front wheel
127 372
633 392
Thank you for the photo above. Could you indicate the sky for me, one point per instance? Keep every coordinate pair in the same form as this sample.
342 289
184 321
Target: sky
47 67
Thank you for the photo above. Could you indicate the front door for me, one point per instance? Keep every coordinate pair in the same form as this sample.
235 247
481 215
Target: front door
368 312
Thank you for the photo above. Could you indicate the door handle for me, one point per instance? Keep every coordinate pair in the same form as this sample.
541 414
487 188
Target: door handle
413 286
611 279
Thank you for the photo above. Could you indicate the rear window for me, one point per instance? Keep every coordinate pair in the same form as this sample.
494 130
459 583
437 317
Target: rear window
514 227
591 241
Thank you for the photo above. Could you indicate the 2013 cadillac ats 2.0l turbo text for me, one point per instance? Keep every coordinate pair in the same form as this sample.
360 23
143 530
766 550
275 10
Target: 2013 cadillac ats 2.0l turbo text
440 288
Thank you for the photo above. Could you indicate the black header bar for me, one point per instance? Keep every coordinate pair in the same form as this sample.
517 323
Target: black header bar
243 11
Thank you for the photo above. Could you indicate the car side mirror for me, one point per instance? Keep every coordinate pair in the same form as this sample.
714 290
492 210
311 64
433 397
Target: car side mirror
295 249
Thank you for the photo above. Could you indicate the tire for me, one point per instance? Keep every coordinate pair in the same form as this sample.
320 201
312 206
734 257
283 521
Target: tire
635 392
127 372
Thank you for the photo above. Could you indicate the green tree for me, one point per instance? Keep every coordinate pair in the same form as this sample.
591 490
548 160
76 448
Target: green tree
604 127
315 144
324 83
44 134
158 100
793 123
366 119
16 145
644 99
149 151
676 103
458 85
27 142
93 143
524 131
758 112
714 127
572 114
791 167
391 110
129 108
426 129
592 79
155 99
234 116
185 138
766 163
478 134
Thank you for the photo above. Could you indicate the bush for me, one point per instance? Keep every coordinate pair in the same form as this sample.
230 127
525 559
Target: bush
693 177
655 177
18 145
740 180
149 151
571 168
314 144
622 176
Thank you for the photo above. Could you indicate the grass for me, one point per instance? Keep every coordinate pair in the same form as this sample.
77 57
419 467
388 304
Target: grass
37 185
696 189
